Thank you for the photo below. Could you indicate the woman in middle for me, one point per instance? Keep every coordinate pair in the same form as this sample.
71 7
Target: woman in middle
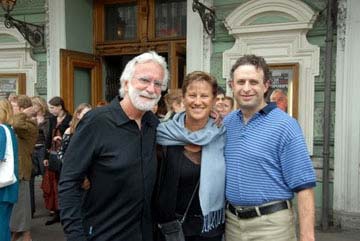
193 163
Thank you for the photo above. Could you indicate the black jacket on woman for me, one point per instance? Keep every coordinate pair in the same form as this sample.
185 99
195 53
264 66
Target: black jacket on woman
177 179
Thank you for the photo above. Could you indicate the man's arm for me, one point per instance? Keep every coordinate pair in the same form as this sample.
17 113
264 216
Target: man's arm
76 160
306 211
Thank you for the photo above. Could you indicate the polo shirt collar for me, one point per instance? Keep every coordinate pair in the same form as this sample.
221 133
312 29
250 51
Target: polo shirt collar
268 108
121 118
264 111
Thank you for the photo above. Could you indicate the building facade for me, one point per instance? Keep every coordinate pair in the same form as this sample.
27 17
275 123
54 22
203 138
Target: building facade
86 48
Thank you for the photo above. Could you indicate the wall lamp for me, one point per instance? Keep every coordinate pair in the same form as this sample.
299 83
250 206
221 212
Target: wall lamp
207 16
33 33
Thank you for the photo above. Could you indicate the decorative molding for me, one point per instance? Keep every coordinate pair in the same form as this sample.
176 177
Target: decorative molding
238 22
347 124
15 57
278 43
134 48
341 23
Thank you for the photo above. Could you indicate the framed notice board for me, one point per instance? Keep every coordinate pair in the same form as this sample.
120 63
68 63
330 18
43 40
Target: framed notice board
12 83
284 87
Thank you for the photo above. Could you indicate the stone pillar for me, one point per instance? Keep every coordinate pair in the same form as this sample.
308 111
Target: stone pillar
347 121
55 39
198 43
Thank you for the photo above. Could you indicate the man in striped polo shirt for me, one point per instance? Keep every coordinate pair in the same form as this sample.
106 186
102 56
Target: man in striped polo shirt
266 163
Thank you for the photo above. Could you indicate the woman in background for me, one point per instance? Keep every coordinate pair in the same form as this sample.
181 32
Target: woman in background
79 112
8 194
174 103
59 122
42 117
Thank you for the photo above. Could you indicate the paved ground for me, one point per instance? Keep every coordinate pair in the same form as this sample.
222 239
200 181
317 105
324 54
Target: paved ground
40 232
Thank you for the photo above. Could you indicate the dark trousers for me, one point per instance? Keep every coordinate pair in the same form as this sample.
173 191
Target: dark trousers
201 238
38 157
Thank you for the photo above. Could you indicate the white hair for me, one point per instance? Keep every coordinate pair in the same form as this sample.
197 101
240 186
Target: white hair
128 72
276 91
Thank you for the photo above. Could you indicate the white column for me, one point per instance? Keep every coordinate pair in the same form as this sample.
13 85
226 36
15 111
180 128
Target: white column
56 39
347 122
198 44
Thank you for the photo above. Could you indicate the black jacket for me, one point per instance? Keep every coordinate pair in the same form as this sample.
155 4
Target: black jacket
120 162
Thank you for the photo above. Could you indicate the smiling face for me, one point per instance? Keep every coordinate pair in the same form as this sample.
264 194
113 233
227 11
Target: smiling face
55 110
249 88
144 90
198 101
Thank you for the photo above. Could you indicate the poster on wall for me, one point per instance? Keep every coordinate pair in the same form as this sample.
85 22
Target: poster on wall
11 83
284 87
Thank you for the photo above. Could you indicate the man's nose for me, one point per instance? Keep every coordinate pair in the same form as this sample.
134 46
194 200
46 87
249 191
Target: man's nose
246 86
151 87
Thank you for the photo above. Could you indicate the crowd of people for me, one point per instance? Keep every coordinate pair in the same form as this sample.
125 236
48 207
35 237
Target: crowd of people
208 169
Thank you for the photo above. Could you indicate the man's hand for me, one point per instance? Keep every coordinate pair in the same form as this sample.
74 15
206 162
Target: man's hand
30 111
217 117
306 210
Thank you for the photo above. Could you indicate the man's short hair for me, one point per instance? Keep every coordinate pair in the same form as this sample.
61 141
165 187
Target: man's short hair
23 101
257 61
220 91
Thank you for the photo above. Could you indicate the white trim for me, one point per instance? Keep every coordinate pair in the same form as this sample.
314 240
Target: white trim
278 43
15 57
347 125
198 46
56 39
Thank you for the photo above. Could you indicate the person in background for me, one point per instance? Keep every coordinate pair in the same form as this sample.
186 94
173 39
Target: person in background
12 96
42 116
26 132
79 112
59 122
193 162
227 106
267 162
114 147
174 103
280 98
220 97
161 108
8 194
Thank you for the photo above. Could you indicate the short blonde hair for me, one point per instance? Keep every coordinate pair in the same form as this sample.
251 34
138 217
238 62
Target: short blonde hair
6 112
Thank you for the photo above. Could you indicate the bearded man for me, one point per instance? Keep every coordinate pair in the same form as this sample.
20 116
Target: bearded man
114 147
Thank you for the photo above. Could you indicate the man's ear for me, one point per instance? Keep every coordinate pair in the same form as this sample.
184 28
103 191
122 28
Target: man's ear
267 85
231 83
126 86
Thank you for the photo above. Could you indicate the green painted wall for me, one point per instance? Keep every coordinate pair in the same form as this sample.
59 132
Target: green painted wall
79 25
32 12
223 41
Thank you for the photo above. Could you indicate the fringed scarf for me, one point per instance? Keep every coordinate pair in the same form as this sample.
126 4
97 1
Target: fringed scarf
212 174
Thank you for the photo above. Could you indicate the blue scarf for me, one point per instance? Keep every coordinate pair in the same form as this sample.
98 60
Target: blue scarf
212 174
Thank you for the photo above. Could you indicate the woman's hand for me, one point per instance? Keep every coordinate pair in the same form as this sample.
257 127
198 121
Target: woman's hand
46 162
57 138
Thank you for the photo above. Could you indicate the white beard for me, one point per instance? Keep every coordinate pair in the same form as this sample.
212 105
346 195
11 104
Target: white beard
137 100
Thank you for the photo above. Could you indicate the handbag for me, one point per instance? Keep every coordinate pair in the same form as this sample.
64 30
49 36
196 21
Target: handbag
172 230
55 163
7 175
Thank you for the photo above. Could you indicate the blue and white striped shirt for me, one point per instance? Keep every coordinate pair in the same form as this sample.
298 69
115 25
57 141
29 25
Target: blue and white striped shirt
266 159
